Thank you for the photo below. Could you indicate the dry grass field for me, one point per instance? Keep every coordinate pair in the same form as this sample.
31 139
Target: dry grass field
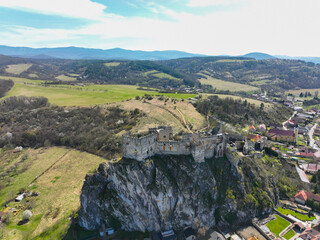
179 115
112 64
297 92
17 68
60 172
226 85
66 78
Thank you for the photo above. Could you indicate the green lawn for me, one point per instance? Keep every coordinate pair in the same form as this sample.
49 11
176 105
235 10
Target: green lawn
289 234
278 225
300 216
68 95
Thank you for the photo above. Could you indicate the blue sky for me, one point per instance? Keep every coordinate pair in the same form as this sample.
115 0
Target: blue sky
234 27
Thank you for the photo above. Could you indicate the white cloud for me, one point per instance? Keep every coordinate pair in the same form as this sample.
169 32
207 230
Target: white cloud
207 3
276 27
70 8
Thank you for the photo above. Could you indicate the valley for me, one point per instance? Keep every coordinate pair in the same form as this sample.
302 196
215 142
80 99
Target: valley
62 124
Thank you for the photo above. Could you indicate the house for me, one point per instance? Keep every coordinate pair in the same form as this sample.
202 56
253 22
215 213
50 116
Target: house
262 128
20 197
168 235
253 137
252 128
216 236
305 155
299 226
302 196
283 135
289 103
310 167
189 233
303 130
298 109
309 234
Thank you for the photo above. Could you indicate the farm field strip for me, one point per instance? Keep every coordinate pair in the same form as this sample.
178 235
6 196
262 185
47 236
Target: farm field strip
226 85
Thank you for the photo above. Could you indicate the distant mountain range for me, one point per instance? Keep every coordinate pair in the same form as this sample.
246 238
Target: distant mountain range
122 54
89 53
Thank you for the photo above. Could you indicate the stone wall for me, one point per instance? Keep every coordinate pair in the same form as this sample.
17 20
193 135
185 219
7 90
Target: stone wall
139 148
159 142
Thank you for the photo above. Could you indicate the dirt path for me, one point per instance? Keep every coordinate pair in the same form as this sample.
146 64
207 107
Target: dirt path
182 121
50 166
284 123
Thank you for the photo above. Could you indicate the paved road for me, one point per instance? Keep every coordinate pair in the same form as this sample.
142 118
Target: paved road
312 142
284 123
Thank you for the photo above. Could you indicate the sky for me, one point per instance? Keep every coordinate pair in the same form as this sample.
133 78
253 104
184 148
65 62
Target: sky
212 27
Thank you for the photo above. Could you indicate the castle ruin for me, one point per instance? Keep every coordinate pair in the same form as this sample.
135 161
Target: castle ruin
160 141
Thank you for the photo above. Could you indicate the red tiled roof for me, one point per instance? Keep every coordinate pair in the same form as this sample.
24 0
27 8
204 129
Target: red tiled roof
281 132
253 137
305 195
311 167
305 154
301 195
252 127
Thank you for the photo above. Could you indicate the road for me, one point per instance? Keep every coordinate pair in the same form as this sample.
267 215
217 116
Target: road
284 123
311 140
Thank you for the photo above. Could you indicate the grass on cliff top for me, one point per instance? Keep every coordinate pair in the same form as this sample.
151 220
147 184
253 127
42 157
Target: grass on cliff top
161 112
69 95
59 189
300 216
277 225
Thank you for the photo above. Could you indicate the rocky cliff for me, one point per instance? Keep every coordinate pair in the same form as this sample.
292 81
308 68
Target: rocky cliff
174 191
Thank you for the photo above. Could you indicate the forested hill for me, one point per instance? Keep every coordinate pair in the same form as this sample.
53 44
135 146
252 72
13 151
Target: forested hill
276 74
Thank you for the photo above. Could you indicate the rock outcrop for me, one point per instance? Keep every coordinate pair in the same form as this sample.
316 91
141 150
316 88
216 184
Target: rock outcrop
166 192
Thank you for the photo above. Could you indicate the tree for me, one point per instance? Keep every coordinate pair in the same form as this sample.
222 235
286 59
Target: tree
27 214
261 106
306 94
301 94
309 94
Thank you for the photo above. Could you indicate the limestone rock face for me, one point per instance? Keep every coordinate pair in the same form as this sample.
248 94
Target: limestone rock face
161 193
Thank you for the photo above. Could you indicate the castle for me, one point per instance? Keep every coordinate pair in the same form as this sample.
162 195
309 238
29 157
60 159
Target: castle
160 141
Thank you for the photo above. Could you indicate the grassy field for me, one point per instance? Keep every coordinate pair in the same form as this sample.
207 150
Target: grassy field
66 78
69 95
165 113
60 172
226 85
112 64
260 82
23 80
297 92
300 216
278 225
160 75
17 68
289 234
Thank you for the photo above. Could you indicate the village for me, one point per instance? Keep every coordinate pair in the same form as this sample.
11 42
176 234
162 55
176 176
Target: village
297 141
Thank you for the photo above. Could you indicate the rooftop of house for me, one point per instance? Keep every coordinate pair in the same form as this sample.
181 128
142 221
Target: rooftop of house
310 234
303 195
281 132
311 167
253 137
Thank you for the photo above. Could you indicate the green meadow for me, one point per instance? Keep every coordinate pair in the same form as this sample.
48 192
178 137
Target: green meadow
70 95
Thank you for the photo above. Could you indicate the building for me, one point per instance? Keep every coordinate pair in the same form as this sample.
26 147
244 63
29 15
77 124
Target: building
160 141
309 234
302 196
168 235
283 135
310 167
189 233
216 236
